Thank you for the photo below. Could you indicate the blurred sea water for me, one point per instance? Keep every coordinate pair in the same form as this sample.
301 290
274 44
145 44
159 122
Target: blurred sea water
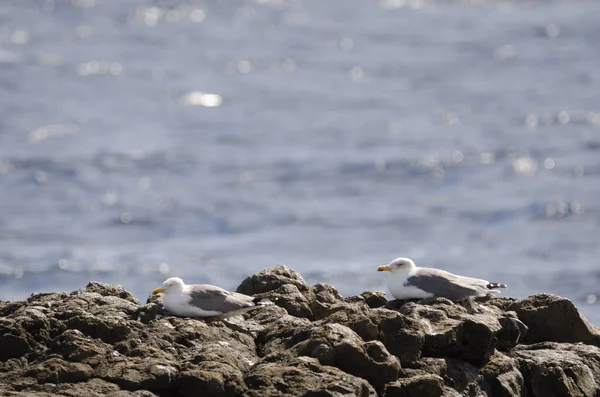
211 139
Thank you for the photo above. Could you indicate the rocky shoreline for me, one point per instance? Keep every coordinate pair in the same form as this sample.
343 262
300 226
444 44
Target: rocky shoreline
100 341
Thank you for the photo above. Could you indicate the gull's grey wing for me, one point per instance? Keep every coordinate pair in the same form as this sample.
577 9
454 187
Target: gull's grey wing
212 298
444 284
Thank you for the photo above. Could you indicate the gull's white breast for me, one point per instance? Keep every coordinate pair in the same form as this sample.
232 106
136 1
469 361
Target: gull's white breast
395 283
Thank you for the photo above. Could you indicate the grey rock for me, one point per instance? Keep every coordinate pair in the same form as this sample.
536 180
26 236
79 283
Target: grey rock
289 297
303 376
461 375
557 370
512 333
501 377
337 345
452 332
111 291
270 279
552 318
416 386
139 373
56 370
211 378
403 336
375 299
323 297
14 341
356 317
99 341
109 329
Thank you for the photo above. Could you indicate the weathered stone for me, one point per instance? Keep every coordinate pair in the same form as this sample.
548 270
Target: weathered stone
460 375
150 311
501 377
557 370
56 370
552 318
289 297
34 322
355 317
337 345
98 341
304 376
451 332
139 374
211 378
91 388
271 279
323 297
74 346
416 386
111 290
512 333
278 328
375 299
108 329
403 336
429 365
13 340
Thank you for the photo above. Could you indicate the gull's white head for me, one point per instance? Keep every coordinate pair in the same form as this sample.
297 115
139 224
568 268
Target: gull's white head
397 264
170 284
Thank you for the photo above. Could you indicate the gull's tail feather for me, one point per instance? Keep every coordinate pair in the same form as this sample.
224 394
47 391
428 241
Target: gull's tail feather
496 285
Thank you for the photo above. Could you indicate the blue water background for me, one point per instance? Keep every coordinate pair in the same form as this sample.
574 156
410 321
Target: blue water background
211 139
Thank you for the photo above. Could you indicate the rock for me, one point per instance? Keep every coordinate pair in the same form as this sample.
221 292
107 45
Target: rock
99 341
375 299
211 379
419 385
286 288
501 377
556 370
304 376
139 374
150 311
56 370
403 336
512 333
426 365
337 345
277 332
291 299
461 375
14 341
552 318
270 279
354 316
111 290
451 332
324 296
108 329
74 346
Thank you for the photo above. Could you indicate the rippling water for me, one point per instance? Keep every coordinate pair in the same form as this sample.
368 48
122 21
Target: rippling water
210 139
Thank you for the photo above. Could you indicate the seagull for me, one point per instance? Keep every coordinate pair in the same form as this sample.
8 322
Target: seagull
204 300
408 281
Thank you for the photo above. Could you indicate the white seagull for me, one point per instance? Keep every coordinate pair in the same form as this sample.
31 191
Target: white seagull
204 300
407 281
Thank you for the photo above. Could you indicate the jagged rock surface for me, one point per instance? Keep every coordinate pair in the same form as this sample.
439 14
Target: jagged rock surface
100 341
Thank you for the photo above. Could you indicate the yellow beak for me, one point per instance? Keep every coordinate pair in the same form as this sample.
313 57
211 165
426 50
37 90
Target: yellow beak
384 268
158 291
